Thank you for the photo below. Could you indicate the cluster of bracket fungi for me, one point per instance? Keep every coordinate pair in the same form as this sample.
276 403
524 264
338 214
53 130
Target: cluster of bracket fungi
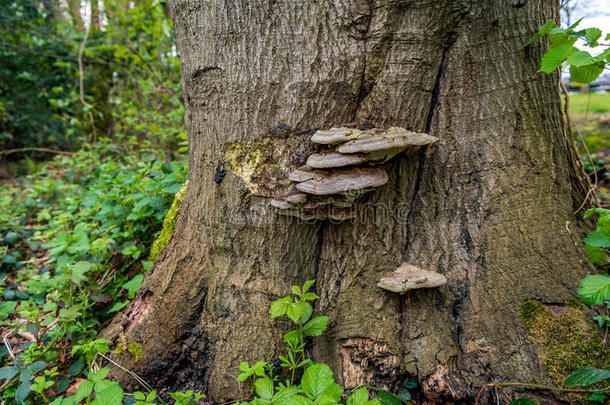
331 181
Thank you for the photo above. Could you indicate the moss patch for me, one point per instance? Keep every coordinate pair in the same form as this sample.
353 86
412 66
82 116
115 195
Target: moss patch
566 337
168 225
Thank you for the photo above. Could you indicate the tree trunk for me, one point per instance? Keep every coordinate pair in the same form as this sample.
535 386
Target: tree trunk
74 10
489 205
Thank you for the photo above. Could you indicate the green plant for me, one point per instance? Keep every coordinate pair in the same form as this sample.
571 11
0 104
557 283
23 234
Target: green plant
91 229
317 384
584 67
598 242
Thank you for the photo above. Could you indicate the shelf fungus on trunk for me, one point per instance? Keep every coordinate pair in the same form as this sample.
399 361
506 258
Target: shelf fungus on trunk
408 277
329 185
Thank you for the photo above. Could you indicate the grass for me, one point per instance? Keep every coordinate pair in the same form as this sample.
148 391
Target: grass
599 103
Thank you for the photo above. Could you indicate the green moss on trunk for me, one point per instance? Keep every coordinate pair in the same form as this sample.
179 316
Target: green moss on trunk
566 337
168 225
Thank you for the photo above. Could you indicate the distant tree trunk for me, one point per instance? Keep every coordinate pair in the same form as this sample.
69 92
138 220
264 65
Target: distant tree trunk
75 15
489 205
95 15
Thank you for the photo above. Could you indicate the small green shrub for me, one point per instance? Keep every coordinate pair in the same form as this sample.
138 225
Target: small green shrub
317 384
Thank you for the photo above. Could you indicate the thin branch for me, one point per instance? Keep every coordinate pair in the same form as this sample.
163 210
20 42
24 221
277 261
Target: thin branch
60 152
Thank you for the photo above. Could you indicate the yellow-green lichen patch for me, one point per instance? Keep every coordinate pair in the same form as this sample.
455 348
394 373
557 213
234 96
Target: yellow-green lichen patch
263 165
567 339
168 225
244 161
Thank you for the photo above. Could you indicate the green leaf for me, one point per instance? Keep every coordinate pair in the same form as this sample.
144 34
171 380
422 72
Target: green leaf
555 57
308 285
292 337
598 239
598 397
84 390
279 307
308 312
585 74
358 397
99 375
11 237
316 380
581 58
296 310
22 391
596 254
133 285
524 401
586 376
541 32
334 392
118 306
112 395
8 372
387 398
284 395
76 368
602 211
264 388
592 35
296 290
595 289
63 384
316 326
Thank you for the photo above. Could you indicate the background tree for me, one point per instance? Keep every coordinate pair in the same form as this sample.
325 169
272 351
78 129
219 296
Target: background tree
490 205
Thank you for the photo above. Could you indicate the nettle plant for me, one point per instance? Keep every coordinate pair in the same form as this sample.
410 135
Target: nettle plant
584 67
317 384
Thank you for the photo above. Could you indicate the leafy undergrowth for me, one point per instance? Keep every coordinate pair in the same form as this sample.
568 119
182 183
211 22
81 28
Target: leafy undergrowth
73 238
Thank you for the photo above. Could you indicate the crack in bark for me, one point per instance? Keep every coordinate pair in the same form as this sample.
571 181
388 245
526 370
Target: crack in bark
362 93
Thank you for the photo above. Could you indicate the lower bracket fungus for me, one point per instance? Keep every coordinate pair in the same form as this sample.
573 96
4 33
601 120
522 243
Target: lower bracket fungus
408 277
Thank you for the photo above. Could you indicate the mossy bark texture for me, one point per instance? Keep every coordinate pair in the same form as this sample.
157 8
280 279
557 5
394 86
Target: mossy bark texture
489 205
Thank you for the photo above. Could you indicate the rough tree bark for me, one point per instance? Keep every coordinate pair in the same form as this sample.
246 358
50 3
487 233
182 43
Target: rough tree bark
489 205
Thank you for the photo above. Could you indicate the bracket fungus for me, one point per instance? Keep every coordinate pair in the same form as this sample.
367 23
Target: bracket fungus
408 277
333 179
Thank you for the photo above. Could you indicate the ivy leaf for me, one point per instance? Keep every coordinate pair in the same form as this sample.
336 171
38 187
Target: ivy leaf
555 57
586 376
22 391
316 326
76 368
8 372
595 289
